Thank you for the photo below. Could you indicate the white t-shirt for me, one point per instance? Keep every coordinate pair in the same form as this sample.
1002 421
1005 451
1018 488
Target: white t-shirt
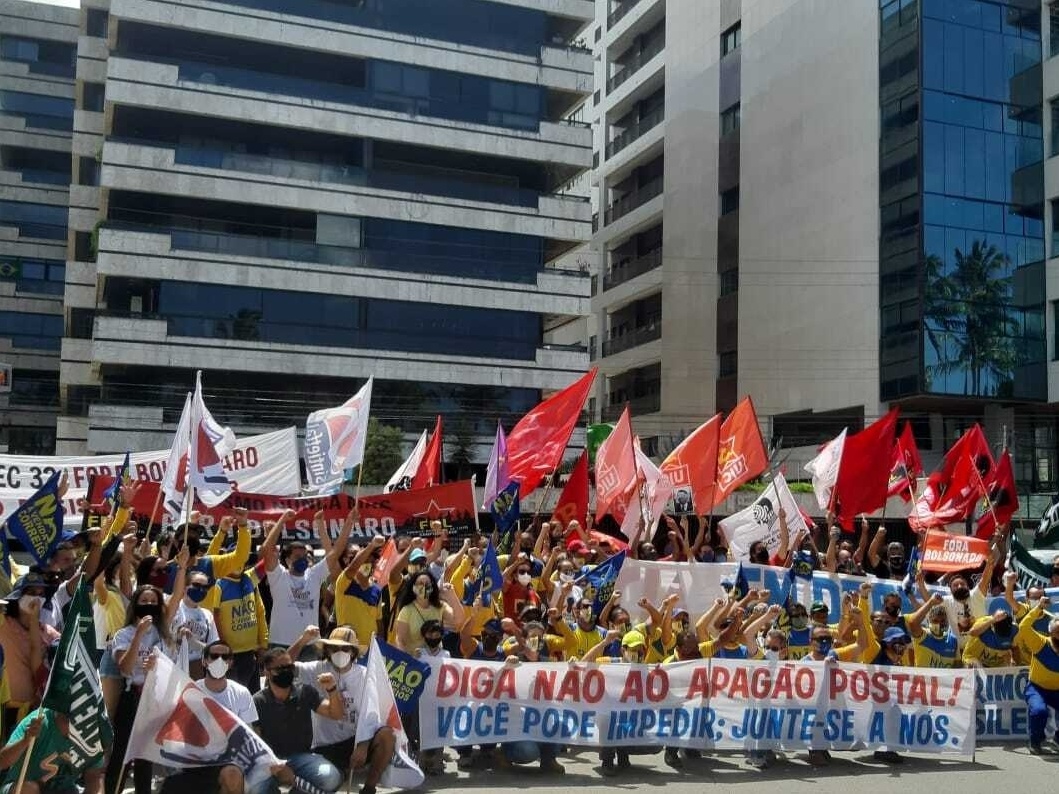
972 609
150 640
434 658
295 602
350 685
203 628
236 698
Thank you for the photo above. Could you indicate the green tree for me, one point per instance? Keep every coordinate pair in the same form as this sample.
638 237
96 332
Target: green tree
382 452
462 450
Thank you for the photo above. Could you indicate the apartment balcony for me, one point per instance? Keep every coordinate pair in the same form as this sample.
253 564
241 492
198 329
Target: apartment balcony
638 406
635 132
619 13
634 338
634 199
630 269
641 59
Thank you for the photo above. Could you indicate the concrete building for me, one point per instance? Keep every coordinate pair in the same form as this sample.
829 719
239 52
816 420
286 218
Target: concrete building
800 199
38 45
295 195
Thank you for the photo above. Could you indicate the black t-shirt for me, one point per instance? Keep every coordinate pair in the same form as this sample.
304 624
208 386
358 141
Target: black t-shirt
287 726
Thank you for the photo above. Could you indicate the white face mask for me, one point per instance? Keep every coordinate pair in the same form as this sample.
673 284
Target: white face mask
217 668
566 577
26 602
533 642
341 659
524 579
772 655
630 656
366 569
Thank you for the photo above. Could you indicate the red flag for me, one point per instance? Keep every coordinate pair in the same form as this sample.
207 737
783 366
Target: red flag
741 454
692 467
1001 493
951 492
864 471
429 471
616 472
907 466
535 446
573 501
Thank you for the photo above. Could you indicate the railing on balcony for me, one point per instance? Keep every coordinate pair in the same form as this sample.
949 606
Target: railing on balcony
630 134
637 63
630 201
634 338
631 268
615 16
648 404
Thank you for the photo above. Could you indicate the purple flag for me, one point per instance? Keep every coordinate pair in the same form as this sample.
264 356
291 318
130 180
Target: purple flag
496 476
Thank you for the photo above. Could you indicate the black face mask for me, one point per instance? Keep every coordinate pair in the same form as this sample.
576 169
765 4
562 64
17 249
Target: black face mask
761 557
153 611
961 593
490 642
893 610
283 677
433 641
1003 627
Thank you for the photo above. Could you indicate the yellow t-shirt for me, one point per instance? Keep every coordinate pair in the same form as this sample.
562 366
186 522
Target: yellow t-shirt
357 607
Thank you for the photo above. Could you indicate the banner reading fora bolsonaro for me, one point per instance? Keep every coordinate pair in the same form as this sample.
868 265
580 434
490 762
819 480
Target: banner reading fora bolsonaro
708 704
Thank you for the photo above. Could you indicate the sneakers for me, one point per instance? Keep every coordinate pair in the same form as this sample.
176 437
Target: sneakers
887 757
818 757
757 759
607 768
1036 749
552 767
623 761
672 758
467 761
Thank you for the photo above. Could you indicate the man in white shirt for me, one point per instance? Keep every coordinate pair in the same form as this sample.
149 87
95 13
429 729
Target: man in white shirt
295 591
335 739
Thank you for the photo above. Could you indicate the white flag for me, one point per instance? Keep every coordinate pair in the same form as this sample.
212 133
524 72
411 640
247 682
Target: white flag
402 478
209 443
824 468
174 485
761 521
377 709
334 441
179 725
658 488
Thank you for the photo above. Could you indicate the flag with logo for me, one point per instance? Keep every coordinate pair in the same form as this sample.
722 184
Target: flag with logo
488 578
209 443
824 469
1031 571
572 504
738 586
951 492
598 583
428 474
111 494
377 709
505 508
657 487
617 475
595 435
692 468
175 483
864 473
334 441
907 466
73 684
401 480
497 475
179 725
741 453
1047 533
408 676
915 565
760 520
38 522
535 446
1001 499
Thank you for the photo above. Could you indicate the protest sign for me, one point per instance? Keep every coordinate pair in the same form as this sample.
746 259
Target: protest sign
708 704
944 553
1000 697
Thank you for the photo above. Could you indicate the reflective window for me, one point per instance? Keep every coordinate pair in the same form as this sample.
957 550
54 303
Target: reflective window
43 56
42 276
730 39
45 221
32 331
46 112
730 119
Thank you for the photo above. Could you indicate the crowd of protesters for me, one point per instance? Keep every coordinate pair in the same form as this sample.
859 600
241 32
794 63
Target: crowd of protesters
274 631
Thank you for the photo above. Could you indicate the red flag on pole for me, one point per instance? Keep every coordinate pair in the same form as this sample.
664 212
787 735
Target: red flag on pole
617 475
535 446
864 472
1001 500
429 472
741 454
907 466
573 501
951 492
692 467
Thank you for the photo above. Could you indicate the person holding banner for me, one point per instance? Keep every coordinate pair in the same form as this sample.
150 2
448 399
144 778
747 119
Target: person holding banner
1042 692
55 766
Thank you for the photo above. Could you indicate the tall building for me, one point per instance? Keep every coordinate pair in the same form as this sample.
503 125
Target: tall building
295 195
832 206
38 46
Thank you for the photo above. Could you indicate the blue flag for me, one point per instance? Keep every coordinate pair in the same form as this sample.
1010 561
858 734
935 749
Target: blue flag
38 523
505 508
738 587
914 562
802 566
598 584
488 579
111 494
408 676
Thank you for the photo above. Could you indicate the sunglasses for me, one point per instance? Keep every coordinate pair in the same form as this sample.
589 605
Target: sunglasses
520 573
775 648
821 639
898 646
218 655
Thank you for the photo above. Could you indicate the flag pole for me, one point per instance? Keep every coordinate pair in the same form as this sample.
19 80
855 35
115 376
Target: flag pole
540 502
25 765
985 493
360 476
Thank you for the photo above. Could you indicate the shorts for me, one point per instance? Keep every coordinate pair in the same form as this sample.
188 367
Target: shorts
108 666
338 753
202 780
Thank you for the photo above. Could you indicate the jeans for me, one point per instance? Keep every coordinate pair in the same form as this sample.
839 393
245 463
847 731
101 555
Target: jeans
528 752
1039 699
314 773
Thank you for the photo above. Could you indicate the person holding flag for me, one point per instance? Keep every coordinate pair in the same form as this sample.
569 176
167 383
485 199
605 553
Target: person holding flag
53 765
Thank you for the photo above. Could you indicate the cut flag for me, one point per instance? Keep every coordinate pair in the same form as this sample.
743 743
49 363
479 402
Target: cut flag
596 435
401 480
38 522
1001 499
761 521
864 471
692 468
429 472
488 578
535 446
572 504
175 484
209 443
377 708
617 475
334 441
657 486
497 475
907 466
597 585
741 453
953 490
824 469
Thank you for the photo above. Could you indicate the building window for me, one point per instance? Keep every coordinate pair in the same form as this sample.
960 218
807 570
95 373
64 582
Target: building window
98 20
727 364
88 172
729 282
92 97
730 119
730 39
730 200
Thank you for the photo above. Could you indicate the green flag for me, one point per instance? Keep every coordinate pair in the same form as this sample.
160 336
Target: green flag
73 687
594 436
1032 572
1047 534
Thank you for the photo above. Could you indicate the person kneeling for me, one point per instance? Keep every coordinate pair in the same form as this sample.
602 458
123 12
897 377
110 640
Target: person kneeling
55 763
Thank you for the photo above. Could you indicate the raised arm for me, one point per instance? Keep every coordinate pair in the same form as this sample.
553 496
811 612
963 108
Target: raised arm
915 620
334 554
831 558
596 650
876 547
179 585
785 535
268 548
754 627
707 619
233 562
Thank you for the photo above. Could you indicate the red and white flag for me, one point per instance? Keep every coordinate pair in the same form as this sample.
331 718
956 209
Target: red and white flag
209 443
179 725
174 486
428 473
658 487
617 475
824 468
334 441
378 708
907 466
402 478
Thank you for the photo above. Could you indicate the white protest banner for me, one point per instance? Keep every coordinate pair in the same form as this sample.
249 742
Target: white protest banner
266 463
760 520
706 705
1002 715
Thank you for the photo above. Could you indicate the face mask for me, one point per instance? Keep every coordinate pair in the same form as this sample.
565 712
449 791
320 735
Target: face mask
524 579
159 579
365 570
630 656
1003 627
26 602
893 610
217 668
772 655
196 594
432 641
152 611
961 593
533 642
566 577
341 659
896 563
799 622
490 642
299 567
283 677
585 614
824 646
938 630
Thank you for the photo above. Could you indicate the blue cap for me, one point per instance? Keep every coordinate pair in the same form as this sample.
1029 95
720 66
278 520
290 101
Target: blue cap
417 554
894 634
493 625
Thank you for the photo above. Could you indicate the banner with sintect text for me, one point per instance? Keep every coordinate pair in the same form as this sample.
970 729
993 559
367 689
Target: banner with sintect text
706 705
